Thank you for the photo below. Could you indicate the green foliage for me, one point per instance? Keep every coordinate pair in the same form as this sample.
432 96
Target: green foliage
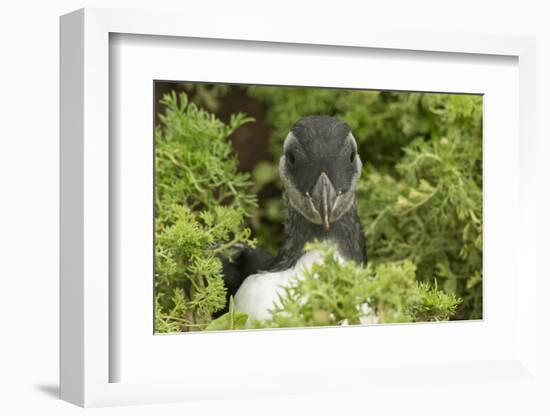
419 199
430 210
336 292
206 96
201 204
231 320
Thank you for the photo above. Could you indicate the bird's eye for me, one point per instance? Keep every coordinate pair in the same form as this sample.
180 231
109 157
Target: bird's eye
290 157
352 156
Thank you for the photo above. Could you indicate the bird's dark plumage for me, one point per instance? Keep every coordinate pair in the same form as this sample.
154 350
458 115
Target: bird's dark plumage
347 233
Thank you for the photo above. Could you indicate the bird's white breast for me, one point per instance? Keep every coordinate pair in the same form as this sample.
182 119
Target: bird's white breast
260 292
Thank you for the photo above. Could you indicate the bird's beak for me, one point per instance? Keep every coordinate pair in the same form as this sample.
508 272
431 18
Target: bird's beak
324 196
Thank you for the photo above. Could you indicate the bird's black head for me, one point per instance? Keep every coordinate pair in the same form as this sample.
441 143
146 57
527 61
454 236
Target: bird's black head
320 168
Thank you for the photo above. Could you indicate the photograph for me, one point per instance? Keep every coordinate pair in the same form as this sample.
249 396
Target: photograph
290 206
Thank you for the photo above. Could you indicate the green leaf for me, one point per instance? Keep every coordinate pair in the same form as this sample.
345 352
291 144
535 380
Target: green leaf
202 202
230 320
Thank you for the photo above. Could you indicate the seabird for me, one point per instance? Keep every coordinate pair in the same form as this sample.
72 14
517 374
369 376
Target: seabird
319 169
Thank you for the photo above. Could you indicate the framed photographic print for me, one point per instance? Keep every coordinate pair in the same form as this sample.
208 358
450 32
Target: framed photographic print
290 211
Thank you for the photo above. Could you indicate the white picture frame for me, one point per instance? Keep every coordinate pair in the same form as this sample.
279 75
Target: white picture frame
86 352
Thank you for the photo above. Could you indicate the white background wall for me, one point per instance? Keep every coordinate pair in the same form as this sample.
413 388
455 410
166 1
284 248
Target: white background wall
29 116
